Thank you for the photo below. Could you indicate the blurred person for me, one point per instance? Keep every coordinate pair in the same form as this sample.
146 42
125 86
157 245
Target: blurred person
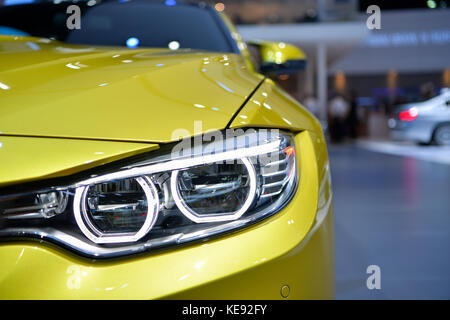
352 118
427 91
338 111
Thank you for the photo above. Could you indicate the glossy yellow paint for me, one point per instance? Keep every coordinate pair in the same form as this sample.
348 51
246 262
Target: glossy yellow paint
272 107
241 44
58 90
28 159
293 247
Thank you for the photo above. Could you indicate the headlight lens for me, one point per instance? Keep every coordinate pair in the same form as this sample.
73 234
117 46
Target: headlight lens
118 211
215 192
164 198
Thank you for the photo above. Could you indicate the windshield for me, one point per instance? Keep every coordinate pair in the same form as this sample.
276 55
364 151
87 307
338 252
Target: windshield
162 24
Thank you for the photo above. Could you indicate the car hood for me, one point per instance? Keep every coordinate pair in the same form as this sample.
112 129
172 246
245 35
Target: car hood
52 89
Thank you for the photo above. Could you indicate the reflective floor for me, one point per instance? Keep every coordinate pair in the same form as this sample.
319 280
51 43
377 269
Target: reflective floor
394 212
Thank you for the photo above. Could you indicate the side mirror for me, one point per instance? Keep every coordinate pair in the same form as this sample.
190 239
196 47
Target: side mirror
277 58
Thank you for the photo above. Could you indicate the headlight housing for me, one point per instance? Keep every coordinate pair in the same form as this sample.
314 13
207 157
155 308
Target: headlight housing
177 194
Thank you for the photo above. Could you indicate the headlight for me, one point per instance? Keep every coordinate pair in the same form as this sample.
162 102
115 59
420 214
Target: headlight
167 197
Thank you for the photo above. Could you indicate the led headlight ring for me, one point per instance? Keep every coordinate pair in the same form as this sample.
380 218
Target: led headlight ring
97 236
199 218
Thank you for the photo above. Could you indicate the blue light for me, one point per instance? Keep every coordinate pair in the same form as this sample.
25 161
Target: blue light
170 3
16 2
132 42
12 31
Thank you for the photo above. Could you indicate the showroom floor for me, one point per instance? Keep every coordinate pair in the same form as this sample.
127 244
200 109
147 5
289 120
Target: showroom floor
392 211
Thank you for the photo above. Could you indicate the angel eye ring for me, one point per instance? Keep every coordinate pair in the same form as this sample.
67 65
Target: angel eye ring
190 187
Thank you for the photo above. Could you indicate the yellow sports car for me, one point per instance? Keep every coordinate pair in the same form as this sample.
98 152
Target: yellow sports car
144 156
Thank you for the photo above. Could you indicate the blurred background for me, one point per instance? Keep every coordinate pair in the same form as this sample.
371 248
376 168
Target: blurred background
407 60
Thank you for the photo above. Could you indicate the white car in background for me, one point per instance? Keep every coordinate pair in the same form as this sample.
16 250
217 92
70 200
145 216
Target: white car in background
423 122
